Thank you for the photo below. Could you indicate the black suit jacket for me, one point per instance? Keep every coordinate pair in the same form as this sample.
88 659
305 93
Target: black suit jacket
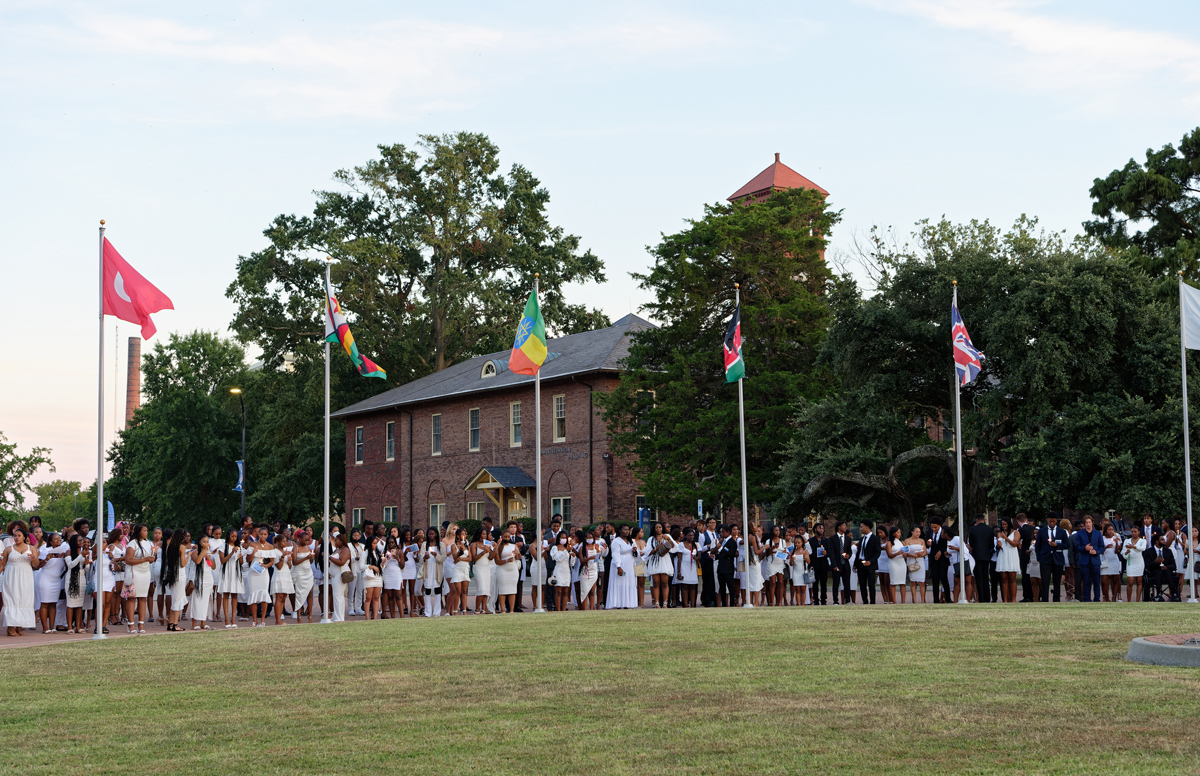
938 544
981 540
1168 560
1027 532
815 562
834 546
727 556
869 550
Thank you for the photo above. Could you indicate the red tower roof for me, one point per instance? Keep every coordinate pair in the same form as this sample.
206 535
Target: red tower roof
777 176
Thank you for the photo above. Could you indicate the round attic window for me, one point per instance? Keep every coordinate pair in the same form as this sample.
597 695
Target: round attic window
489 369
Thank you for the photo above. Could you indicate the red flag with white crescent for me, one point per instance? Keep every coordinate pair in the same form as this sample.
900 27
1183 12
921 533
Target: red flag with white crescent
128 295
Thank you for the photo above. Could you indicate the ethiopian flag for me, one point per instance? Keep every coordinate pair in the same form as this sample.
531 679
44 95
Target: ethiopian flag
529 348
337 330
735 367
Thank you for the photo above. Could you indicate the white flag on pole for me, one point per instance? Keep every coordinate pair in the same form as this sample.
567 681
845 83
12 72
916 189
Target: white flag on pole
1189 302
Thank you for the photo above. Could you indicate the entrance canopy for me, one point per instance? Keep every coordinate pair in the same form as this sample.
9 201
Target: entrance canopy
499 482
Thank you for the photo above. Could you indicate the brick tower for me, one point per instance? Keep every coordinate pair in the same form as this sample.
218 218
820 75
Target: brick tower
133 379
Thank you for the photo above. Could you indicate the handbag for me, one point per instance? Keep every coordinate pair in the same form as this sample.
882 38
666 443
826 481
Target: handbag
347 576
808 577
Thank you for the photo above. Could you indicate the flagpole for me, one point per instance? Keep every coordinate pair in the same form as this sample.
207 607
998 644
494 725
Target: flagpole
99 583
325 575
737 297
1187 442
958 448
537 446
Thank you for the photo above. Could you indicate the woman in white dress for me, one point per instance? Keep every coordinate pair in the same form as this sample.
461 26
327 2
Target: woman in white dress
686 555
897 563
738 594
459 555
914 565
77 562
114 572
1034 569
410 546
155 592
1008 562
754 580
336 565
302 574
659 565
50 579
282 586
560 553
139 563
622 593
17 564
432 573
202 583
798 562
1135 564
229 586
1175 540
215 547
1190 571
1110 566
507 558
393 579
354 593
637 536
775 553
175 561
588 551
372 574
483 550
260 556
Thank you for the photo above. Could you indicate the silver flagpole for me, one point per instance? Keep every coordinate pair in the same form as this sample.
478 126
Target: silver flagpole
537 446
958 449
1187 444
99 583
737 302
326 570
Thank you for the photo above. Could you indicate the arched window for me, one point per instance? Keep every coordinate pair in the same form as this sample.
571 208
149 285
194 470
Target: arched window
489 369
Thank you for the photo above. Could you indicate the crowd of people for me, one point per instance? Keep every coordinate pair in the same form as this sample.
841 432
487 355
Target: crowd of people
253 574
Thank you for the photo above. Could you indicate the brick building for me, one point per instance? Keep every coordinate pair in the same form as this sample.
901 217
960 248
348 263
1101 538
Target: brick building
459 443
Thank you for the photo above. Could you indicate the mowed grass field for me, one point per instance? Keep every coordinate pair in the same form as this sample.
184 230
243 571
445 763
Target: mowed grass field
1034 689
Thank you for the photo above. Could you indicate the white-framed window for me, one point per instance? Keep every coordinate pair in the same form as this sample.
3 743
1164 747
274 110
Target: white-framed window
561 506
390 435
358 444
488 370
356 516
514 424
560 418
437 512
474 510
435 426
389 514
473 429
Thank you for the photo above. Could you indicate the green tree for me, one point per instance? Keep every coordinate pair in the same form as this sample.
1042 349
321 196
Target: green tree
673 411
1163 195
174 465
1071 333
57 502
15 471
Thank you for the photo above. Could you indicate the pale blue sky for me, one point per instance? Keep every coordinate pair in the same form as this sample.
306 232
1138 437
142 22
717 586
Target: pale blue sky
189 130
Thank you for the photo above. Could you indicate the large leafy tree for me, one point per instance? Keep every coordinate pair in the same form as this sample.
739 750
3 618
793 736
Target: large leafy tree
15 471
58 502
1153 209
1075 406
174 464
673 411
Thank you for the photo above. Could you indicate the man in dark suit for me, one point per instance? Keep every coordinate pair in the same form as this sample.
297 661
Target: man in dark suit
939 561
1027 532
707 542
819 560
549 539
1150 533
981 541
1089 546
1160 570
867 560
838 549
1051 541
727 552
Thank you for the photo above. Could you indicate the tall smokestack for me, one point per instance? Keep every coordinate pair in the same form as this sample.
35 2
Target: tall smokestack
133 379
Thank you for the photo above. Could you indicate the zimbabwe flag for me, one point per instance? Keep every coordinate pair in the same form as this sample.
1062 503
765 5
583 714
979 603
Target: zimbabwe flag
529 347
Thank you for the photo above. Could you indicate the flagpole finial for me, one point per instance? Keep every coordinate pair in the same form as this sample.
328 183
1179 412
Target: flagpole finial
1180 271
955 282
102 224
737 285
537 275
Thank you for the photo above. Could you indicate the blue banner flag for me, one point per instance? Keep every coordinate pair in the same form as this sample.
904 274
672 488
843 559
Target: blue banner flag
241 475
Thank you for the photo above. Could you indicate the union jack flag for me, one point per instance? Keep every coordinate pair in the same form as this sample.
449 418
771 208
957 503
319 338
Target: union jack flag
967 360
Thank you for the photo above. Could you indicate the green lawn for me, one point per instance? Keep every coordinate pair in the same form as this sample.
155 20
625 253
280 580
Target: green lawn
896 689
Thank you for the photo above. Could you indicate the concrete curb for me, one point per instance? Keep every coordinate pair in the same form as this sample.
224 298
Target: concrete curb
1143 651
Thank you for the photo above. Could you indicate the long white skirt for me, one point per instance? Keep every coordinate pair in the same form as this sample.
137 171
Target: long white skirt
200 598
622 590
17 586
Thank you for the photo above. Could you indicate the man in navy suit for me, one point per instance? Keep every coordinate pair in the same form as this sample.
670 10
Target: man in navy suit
1051 541
867 561
1089 546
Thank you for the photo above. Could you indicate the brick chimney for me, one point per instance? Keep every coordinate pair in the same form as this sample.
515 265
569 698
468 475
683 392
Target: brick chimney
133 379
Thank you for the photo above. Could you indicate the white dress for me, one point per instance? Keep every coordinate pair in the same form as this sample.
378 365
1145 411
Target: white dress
774 563
17 588
1110 564
483 573
393 577
622 588
754 578
50 575
798 566
410 562
302 575
898 566
919 574
462 567
231 575
1135 564
562 566
75 601
506 579
178 591
140 575
1009 559
281 580
204 577
258 581
687 565
590 574
656 564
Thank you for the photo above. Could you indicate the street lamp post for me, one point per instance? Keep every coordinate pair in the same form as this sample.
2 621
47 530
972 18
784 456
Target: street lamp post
242 401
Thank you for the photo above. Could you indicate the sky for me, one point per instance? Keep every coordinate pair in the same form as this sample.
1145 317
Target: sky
188 129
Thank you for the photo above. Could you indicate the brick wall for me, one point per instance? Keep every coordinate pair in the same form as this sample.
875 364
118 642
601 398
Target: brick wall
377 482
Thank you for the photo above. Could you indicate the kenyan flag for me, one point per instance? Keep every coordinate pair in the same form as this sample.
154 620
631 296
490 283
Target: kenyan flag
735 367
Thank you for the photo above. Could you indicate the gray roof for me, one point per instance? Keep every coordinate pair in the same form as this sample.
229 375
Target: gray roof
510 476
599 350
